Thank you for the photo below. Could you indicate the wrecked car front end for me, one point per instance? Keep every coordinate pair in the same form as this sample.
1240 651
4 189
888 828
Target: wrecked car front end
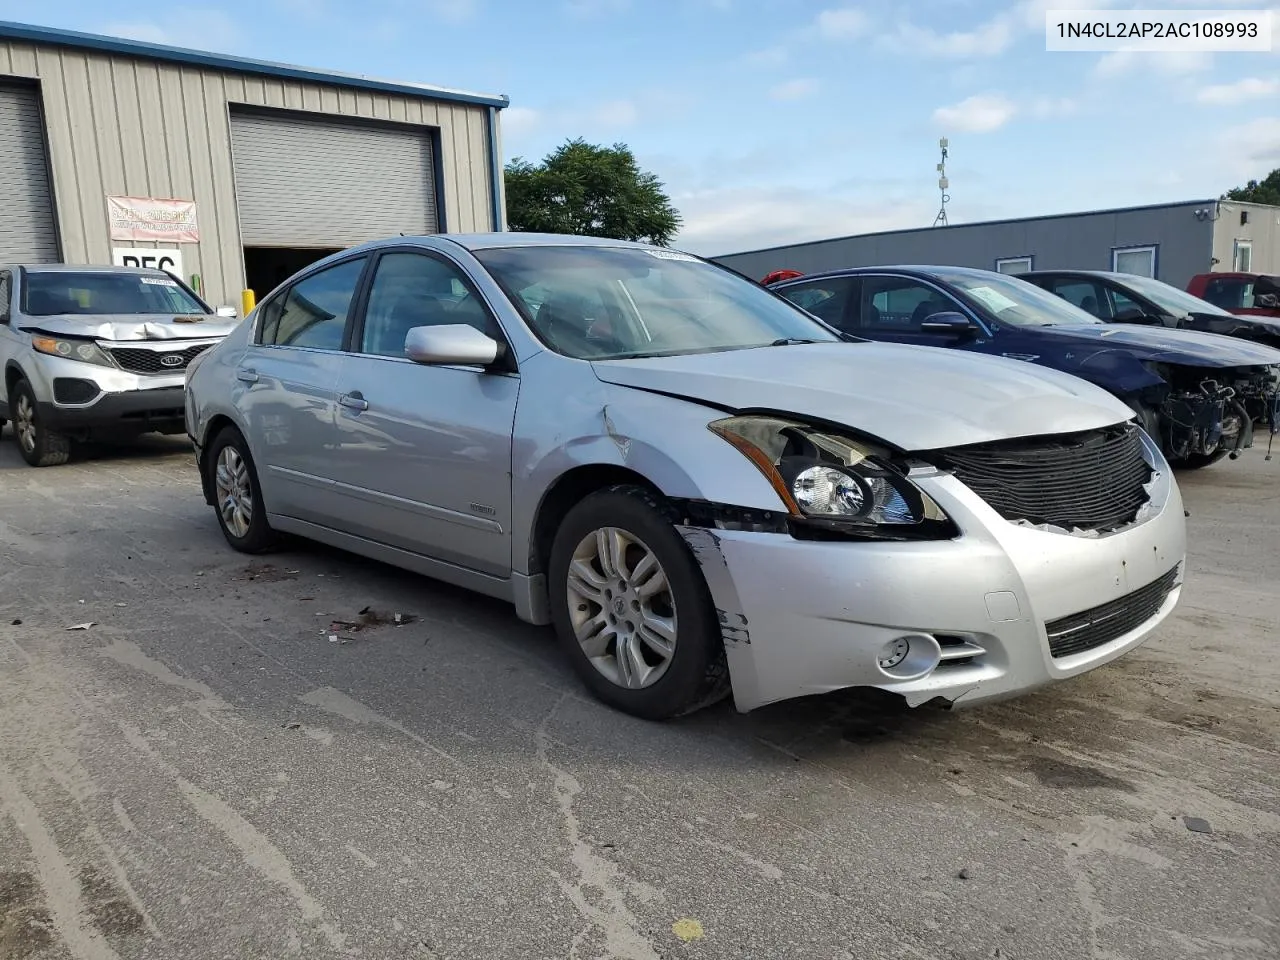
1207 412
1067 552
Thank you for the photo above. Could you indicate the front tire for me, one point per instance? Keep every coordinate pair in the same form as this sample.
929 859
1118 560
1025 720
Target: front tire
237 494
631 607
39 446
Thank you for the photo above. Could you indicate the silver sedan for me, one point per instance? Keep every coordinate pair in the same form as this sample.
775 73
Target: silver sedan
706 490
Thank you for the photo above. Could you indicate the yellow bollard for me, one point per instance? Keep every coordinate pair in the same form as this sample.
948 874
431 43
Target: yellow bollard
247 302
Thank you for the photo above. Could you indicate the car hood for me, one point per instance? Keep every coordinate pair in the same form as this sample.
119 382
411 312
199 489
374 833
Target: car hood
1239 325
163 326
915 398
1164 345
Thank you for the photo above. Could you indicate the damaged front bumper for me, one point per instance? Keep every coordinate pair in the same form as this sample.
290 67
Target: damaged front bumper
1220 413
998 611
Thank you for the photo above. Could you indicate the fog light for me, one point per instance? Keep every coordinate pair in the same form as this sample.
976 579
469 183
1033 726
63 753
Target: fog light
909 657
894 652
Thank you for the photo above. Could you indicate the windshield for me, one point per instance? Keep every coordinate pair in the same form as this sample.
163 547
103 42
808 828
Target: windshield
1171 299
1015 301
608 303
61 292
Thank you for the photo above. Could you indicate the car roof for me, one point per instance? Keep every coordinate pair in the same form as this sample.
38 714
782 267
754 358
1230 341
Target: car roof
515 238
1105 274
82 268
910 269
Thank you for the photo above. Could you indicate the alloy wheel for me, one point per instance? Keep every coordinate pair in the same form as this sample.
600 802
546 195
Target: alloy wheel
621 608
24 422
234 491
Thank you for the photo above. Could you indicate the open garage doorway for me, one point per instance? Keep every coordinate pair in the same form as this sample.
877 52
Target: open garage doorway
265 268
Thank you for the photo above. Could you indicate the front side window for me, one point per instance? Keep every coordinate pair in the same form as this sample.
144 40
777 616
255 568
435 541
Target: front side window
1169 298
901 304
608 303
69 293
414 290
827 299
1085 295
1139 261
313 313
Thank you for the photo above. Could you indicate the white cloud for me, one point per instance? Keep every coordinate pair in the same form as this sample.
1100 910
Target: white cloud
842 24
796 89
1249 88
200 28
978 114
1251 149
520 121
988 38
721 221
1171 63
1046 108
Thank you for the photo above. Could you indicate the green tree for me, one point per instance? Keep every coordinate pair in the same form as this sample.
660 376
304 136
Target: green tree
1258 191
589 190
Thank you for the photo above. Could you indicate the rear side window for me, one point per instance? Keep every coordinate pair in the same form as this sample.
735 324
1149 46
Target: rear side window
313 312
5 287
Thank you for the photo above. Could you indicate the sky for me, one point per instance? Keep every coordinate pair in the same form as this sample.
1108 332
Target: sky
777 121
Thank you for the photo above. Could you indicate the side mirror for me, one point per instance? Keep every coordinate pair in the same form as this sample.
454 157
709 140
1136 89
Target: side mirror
949 323
229 312
455 343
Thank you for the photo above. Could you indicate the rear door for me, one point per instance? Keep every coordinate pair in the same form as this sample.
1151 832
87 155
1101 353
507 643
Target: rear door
422 454
286 389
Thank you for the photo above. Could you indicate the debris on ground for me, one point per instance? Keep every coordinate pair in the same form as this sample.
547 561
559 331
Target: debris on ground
82 626
1197 824
265 573
16 623
370 619
965 874
294 725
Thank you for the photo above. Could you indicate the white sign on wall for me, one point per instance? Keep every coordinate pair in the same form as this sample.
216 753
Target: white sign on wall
151 258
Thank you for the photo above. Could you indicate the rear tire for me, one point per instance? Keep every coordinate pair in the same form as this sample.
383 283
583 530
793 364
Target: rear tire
631 607
39 446
241 513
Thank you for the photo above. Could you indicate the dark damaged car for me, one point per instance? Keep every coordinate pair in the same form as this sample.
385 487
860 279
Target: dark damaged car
1123 298
1200 394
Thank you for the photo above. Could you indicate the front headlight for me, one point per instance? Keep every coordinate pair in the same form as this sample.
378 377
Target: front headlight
84 350
834 482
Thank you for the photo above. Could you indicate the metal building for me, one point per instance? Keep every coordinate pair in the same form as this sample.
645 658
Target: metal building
1173 243
232 173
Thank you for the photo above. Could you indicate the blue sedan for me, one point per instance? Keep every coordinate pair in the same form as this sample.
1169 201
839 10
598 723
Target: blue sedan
1199 394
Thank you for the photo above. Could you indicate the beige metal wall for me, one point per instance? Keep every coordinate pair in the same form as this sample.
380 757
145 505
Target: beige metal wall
1263 229
119 126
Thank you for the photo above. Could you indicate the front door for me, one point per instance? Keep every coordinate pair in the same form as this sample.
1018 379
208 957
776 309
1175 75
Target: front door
286 381
894 308
423 453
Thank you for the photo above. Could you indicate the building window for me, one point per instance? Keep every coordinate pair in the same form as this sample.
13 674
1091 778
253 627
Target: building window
1138 261
1243 258
1014 265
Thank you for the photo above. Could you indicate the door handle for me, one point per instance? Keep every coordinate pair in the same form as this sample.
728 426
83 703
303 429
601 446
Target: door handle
354 401
247 376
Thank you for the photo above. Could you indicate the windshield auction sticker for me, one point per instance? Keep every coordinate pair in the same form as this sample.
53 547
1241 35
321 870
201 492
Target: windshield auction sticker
1158 31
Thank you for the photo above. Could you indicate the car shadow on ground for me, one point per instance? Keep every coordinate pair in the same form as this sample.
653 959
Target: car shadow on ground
147 447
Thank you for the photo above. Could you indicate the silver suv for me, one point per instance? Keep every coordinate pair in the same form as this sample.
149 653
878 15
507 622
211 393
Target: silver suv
97 353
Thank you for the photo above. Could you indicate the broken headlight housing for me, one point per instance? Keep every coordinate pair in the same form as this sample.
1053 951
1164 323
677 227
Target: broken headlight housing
835 484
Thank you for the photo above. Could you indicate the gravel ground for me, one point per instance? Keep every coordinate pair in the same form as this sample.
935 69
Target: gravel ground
203 774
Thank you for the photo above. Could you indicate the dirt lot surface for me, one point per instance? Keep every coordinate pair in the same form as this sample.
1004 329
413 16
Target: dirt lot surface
204 774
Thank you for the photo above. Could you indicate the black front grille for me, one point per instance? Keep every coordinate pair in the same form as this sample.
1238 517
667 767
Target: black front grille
1110 621
136 360
1088 481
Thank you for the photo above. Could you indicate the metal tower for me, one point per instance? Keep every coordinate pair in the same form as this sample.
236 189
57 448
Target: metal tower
941 219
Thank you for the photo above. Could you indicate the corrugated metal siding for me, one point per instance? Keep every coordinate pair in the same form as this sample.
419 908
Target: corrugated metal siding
306 182
123 126
27 232
1082 242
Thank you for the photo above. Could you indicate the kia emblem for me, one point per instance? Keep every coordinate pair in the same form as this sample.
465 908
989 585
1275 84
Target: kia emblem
172 360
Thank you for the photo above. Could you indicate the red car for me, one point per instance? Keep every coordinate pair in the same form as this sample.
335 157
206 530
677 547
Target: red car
1245 294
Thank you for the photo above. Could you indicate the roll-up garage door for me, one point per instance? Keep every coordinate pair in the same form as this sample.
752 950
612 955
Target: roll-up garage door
27 233
303 182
